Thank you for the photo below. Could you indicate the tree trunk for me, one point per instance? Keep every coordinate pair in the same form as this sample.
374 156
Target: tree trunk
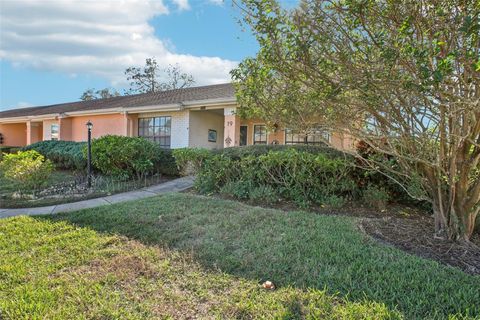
453 220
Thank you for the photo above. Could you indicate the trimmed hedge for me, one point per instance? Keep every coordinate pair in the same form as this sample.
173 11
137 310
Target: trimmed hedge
72 155
166 163
8 149
300 173
303 174
189 160
261 149
64 154
130 156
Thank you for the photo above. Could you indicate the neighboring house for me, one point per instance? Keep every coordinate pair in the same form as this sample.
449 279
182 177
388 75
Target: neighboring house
191 117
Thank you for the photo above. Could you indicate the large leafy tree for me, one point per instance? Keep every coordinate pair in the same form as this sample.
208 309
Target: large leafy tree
152 78
403 76
92 94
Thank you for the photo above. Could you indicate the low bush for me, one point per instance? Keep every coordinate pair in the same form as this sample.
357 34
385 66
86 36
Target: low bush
64 154
376 197
125 157
300 176
165 163
264 194
238 189
189 160
28 170
261 149
334 201
5 150
304 174
215 172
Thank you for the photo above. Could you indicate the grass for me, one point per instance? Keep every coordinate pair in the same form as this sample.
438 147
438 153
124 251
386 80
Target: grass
184 255
101 186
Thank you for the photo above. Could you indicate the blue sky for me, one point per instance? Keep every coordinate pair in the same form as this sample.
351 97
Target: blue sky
52 50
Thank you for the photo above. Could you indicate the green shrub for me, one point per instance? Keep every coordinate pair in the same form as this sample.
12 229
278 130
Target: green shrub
125 157
376 197
189 160
26 169
299 176
6 149
64 154
237 189
214 173
263 193
334 201
261 149
166 164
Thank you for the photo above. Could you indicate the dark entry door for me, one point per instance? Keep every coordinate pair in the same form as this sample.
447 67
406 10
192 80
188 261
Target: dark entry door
243 135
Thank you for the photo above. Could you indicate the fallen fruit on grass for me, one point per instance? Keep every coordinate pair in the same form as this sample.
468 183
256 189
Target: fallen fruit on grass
268 285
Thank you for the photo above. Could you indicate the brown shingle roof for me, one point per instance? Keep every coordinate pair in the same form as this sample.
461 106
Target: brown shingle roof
218 91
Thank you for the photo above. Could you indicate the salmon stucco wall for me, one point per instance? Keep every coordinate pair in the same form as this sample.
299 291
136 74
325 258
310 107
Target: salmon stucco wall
132 125
102 125
14 134
66 130
231 129
277 136
36 131
337 140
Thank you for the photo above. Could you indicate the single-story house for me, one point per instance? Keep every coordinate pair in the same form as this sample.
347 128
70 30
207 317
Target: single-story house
191 117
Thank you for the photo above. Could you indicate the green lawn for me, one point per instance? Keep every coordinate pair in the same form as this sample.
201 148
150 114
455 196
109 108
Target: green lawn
182 255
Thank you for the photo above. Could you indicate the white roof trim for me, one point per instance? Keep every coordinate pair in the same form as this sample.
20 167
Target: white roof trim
139 109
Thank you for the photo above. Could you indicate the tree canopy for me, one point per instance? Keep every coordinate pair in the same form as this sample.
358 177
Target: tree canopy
401 76
92 94
151 78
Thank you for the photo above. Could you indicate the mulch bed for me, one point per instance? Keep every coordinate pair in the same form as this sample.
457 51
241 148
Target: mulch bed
415 235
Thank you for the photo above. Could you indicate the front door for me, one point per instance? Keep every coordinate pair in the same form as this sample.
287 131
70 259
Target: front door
243 135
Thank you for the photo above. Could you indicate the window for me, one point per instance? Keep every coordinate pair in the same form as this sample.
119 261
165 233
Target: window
157 129
54 132
316 136
259 134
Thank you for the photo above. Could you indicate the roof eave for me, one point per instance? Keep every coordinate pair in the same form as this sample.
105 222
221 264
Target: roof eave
51 116
220 102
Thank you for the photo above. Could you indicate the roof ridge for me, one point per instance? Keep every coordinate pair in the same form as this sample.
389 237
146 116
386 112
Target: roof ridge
160 97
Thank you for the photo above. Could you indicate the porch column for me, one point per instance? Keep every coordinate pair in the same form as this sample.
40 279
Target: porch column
29 132
231 131
126 124
65 126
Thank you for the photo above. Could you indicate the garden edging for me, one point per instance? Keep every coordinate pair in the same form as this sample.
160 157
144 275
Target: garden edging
175 185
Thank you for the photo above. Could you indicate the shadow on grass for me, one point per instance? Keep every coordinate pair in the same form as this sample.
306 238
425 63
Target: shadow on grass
298 249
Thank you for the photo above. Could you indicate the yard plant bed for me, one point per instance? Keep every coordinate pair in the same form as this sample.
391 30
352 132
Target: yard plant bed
186 256
415 235
65 186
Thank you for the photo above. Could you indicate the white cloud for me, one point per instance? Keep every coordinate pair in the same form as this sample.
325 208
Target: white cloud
94 37
182 4
23 104
217 2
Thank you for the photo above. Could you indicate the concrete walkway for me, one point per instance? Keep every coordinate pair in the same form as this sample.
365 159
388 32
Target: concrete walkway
176 185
